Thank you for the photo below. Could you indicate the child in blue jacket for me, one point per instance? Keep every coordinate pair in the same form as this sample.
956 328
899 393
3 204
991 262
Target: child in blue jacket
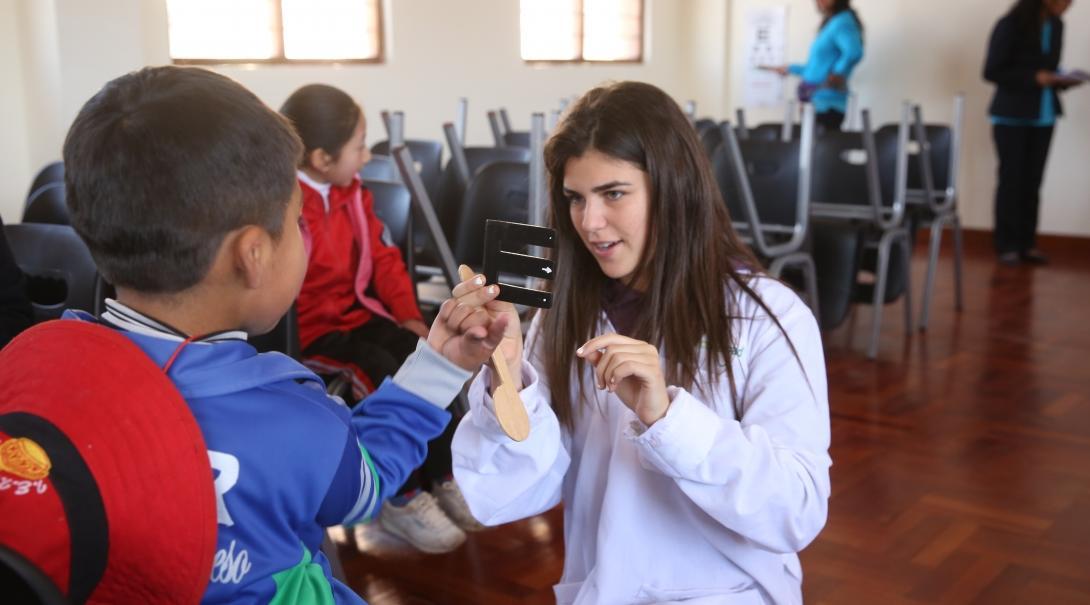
183 185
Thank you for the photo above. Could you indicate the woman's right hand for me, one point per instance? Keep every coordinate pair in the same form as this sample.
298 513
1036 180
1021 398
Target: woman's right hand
473 292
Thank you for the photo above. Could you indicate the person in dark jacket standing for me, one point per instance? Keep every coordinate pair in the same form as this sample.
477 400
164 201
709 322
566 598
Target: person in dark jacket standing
16 313
1023 62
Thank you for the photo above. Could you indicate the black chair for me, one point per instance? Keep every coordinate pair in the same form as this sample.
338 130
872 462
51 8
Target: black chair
517 138
703 124
711 139
500 124
380 168
427 156
500 190
52 172
766 186
837 247
23 582
859 179
393 206
773 131
60 271
932 194
47 205
452 190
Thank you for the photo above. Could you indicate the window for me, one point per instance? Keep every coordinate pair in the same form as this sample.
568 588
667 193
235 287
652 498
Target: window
582 30
275 31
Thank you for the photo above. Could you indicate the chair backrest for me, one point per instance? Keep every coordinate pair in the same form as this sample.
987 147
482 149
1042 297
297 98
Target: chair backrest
766 185
517 138
47 205
939 139
393 205
711 139
841 165
772 170
451 197
773 131
60 271
428 157
703 124
380 168
52 172
500 190
858 176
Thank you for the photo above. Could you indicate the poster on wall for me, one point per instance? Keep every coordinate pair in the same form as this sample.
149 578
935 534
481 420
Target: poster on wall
766 45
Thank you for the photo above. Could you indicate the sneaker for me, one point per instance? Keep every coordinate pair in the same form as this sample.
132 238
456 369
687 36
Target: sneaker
454 505
338 533
1010 259
1034 256
423 524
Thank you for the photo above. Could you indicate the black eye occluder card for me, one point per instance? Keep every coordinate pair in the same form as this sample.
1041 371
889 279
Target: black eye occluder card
500 237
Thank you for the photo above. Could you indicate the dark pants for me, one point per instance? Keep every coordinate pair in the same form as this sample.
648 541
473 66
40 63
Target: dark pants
830 120
1022 151
378 348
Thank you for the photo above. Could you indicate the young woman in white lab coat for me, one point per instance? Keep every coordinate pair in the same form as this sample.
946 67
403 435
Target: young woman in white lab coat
677 397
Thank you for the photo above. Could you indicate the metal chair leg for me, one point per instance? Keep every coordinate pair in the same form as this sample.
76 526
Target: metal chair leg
809 275
879 293
906 245
934 244
958 296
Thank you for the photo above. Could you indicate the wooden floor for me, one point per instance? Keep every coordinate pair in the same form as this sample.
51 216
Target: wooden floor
961 462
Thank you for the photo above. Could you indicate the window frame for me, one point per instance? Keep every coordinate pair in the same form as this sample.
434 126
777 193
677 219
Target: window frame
636 61
280 59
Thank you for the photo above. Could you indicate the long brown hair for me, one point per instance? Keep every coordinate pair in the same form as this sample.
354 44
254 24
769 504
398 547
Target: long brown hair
692 251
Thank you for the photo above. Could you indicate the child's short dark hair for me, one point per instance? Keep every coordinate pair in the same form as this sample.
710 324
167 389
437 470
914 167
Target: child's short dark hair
325 117
163 162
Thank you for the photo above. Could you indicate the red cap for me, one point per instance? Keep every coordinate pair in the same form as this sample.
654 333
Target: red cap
105 483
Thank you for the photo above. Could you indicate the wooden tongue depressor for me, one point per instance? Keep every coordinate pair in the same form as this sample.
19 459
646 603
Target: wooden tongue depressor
510 410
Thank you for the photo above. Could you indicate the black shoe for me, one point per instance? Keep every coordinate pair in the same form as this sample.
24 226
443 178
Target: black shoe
1034 256
1010 259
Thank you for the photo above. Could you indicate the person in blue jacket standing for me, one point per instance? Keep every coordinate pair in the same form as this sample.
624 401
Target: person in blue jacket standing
835 52
1023 62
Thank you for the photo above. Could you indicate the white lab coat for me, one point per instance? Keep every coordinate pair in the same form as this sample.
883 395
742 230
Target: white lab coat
698 508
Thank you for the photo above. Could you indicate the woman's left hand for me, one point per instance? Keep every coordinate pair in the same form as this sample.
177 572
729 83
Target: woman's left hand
632 369
836 82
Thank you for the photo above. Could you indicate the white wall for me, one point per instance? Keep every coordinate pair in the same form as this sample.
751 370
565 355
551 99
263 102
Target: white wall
15 168
437 51
926 50
59 52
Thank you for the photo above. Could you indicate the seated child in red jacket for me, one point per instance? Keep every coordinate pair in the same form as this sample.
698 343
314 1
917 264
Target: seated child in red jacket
357 310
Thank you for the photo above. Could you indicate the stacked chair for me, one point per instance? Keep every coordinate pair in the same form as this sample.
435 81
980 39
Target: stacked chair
858 195
502 133
427 154
932 194
766 186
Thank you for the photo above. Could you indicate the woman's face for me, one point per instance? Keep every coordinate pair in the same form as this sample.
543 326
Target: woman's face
609 204
1056 8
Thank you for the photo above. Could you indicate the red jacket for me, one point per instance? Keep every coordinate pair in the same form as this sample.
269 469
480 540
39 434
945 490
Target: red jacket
352 273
